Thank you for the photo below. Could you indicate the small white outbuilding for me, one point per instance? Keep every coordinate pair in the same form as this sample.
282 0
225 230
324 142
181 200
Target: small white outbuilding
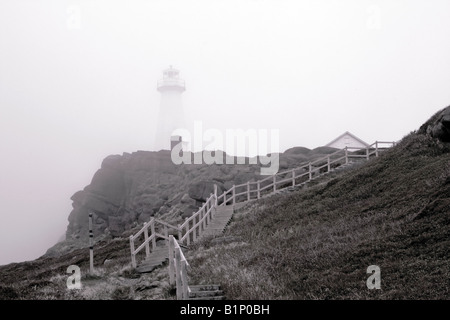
347 140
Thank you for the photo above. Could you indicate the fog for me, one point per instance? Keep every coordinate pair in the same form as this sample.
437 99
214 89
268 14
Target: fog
78 83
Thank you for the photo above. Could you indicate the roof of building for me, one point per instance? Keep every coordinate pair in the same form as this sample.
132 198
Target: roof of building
349 134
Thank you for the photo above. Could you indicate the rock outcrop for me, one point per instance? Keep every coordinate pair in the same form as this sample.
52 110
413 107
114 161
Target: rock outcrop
131 188
440 129
438 126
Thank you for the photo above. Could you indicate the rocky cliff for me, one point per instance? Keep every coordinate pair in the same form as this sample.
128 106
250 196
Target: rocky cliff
129 189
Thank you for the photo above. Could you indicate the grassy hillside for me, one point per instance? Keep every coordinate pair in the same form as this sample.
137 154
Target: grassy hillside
393 212
314 243
113 278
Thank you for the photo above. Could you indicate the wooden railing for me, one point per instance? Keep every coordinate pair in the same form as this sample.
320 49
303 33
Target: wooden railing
193 227
155 226
304 173
178 267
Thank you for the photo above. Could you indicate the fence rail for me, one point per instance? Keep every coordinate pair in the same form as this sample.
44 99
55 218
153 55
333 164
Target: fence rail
192 228
178 267
303 173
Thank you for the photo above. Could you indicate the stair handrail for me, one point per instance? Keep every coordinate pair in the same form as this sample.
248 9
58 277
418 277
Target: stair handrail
193 227
178 268
196 224
308 168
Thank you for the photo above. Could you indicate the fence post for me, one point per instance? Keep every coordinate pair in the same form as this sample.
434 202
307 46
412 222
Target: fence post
200 220
147 246
91 245
188 233
367 153
259 187
152 226
310 171
184 280
200 213
213 212
329 163
209 210
248 190
178 273
224 198
376 149
274 180
346 155
180 232
133 256
166 234
205 211
293 177
194 229
234 194
171 262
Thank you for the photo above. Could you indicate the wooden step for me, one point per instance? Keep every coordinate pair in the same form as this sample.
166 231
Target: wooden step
204 294
157 258
209 298
207 287
146 268
219 222
154 261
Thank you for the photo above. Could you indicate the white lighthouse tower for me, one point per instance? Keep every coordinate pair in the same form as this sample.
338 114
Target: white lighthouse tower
171 116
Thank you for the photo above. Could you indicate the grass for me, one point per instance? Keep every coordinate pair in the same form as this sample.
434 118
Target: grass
317 243
46 278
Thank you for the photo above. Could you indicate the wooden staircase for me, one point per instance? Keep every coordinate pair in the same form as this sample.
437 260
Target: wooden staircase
221 219
206 292
157 258
160 254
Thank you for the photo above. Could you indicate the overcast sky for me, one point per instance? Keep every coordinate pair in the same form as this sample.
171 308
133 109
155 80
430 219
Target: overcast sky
78 83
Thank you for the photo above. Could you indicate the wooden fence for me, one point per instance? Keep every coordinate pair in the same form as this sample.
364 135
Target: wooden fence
306 172
178 267
193 227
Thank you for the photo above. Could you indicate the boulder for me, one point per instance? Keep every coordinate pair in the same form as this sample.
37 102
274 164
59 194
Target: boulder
201 190
440 126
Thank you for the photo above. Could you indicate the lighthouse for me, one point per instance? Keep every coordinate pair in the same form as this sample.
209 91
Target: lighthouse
171 116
